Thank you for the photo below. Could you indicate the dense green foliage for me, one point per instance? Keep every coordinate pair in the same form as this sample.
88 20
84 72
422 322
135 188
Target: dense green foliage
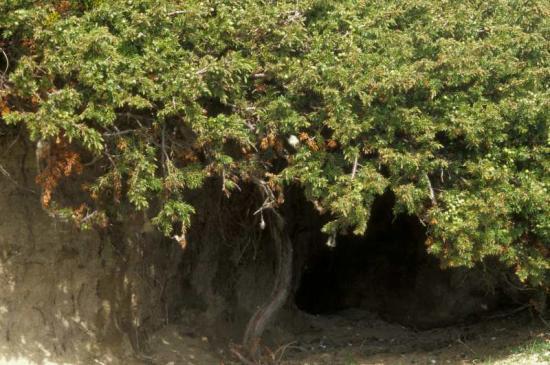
444 103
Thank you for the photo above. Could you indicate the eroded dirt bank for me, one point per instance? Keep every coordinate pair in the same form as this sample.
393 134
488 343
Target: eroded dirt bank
84 297
70 296
125 295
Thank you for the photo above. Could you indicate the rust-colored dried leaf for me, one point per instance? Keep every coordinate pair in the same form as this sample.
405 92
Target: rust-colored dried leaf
264 144
332 144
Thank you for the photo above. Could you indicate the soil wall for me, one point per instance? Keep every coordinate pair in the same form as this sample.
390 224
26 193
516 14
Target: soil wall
84 297
70 296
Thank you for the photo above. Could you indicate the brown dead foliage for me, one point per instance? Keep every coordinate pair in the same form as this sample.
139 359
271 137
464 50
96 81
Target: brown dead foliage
59 161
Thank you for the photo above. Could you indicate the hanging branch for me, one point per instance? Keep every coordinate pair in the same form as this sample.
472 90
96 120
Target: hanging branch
432 193
283 276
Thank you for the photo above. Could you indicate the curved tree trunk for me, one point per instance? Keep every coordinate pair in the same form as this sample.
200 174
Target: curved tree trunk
259 321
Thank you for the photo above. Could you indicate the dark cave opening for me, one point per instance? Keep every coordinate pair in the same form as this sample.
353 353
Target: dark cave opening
383 262
388 271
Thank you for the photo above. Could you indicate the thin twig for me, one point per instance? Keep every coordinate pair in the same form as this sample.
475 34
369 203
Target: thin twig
13 181
177 12
269 201
7 61
282 349
544 321
120 133
93 161
11 145
165 156
89 216
354 170
514 286
241 357
202 71
467 346
137 117
510 313
110 158
432 194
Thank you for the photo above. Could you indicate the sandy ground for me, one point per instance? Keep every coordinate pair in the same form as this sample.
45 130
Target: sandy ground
361 338
353 337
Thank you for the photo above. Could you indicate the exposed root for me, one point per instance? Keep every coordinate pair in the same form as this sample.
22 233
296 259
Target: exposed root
241 357
260 319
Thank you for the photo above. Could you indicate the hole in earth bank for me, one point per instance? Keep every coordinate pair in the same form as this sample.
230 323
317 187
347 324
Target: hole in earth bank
389 272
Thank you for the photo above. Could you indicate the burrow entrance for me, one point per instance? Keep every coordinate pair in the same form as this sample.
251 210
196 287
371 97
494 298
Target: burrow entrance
388 271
